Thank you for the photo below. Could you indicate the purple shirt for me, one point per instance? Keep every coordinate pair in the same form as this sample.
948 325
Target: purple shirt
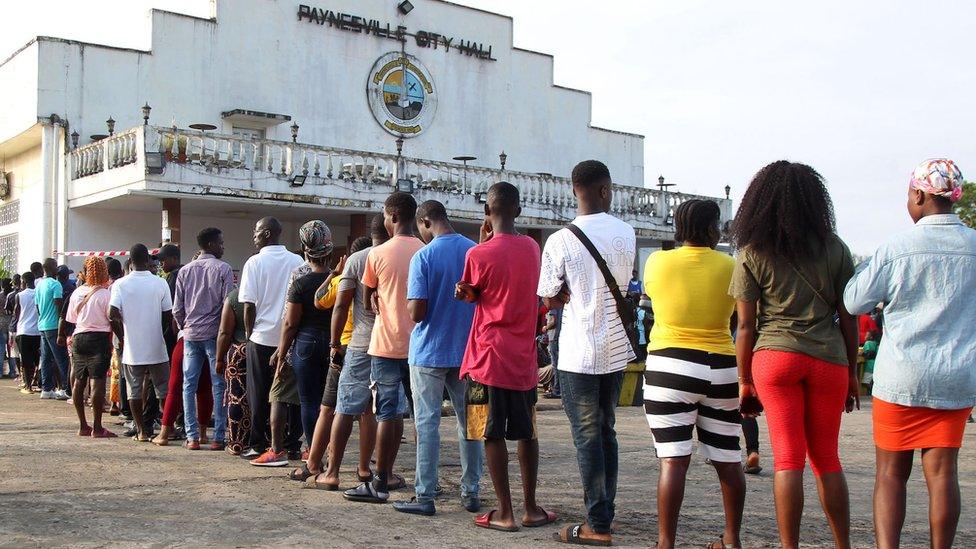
201 287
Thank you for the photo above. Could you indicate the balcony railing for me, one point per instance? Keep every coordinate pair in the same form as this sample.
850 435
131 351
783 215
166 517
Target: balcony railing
227 154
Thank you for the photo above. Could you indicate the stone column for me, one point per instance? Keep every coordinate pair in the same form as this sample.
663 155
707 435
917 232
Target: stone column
171 221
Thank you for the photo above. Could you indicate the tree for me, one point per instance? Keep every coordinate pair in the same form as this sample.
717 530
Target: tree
966 207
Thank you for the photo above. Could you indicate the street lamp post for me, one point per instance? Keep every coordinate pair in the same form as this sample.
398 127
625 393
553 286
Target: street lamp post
111 126
145 114
294 132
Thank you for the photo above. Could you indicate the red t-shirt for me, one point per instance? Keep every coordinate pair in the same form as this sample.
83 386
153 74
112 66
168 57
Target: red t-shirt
501 348
865 324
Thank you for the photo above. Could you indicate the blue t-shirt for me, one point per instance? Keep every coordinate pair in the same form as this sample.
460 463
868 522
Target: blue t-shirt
46 291
439 340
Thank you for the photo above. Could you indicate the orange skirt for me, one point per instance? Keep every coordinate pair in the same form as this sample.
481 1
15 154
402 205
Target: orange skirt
898 428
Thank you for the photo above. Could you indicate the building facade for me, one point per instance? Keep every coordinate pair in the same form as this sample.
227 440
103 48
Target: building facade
300 110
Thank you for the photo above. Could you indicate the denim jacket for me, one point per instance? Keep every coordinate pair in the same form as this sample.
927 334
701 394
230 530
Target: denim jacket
926 279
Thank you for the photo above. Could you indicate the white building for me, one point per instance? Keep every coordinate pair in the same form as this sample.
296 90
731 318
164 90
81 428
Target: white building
319 110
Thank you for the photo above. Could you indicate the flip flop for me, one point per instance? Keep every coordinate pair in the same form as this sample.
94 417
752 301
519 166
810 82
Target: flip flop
550 518
484 521
138 439
312 483
104 433
86 432
720 543
571 535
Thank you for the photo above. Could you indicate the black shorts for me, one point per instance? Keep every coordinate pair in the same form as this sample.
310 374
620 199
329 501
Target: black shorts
331 394
495 413
91 355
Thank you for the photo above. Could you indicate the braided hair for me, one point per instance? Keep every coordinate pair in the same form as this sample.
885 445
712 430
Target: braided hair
696 222
786 212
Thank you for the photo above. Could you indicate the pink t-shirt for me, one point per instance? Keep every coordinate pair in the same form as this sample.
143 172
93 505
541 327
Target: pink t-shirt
387 270
93 316
501 348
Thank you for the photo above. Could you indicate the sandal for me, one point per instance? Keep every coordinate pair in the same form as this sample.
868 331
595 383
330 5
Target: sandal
397 483
301 474
484 521
571 535
103 433
720 544
85 432
137 438
312 483
365 478
550 518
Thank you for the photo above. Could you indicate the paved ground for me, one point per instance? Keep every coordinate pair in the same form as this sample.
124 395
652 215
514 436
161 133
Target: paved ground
57 490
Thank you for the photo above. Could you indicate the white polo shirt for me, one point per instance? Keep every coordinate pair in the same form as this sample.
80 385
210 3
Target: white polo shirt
142 297
264 282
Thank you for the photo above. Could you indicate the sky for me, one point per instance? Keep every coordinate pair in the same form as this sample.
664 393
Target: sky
862 91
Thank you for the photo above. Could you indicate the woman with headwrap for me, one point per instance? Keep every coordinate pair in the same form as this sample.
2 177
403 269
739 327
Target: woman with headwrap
925 370
91 344
304 343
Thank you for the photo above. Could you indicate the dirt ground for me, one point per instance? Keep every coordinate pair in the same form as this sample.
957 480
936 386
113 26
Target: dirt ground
57 490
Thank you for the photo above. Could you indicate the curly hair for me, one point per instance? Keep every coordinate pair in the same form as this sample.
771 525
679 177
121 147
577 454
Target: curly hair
785 212
696 221
95 272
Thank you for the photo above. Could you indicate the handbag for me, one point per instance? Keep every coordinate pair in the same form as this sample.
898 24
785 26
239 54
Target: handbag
627 315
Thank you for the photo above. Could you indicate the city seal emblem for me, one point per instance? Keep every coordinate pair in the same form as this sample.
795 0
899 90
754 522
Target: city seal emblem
401 94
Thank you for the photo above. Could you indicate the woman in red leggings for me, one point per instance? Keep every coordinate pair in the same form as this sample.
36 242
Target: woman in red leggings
797 344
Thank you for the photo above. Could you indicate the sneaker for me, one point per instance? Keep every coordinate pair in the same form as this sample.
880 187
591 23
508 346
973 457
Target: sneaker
129 424
61 395
414 507
250 454
48 395
26 391
271 459
471 504
131 432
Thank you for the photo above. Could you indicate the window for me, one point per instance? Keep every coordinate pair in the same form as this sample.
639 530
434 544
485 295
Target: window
10 212
8 251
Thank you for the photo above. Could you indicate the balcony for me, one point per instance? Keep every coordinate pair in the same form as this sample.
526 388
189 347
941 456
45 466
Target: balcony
171 161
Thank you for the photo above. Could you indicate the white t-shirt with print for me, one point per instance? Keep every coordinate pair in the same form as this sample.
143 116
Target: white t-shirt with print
264 282
592 339
142 297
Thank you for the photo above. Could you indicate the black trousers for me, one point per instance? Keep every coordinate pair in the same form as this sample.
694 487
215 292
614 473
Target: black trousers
260 376
750 430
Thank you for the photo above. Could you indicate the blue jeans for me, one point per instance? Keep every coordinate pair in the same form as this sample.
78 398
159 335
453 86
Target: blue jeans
387 376
10 361
309 360
196 354
589 402
52 352
428 386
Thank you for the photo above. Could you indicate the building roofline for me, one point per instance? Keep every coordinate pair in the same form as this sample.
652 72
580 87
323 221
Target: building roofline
577 90
496 14
641 136
29 43
186 15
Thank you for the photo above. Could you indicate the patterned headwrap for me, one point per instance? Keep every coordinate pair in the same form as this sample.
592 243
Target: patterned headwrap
939 177
316 239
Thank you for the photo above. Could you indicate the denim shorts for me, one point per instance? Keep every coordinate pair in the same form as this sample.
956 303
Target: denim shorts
388 376
354 393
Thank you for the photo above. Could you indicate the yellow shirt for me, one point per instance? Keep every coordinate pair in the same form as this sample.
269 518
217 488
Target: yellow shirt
328 301
689 291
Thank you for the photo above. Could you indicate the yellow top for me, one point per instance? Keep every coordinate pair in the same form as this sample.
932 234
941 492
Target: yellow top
328 301
689 291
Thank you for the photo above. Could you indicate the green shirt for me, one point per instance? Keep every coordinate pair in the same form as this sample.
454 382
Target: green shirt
46 291
794 314
238 307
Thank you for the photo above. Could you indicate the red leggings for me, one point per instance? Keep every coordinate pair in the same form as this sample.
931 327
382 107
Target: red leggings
804 399
174 399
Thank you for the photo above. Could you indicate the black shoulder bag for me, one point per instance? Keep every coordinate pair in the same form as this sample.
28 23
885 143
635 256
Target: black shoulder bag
627 316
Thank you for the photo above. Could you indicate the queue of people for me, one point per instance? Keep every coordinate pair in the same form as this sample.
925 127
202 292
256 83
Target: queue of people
308 345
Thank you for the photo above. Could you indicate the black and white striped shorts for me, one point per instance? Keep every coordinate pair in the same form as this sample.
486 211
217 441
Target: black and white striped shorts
685 389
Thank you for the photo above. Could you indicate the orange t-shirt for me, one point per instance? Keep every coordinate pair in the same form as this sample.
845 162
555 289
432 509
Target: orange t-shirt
387 270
